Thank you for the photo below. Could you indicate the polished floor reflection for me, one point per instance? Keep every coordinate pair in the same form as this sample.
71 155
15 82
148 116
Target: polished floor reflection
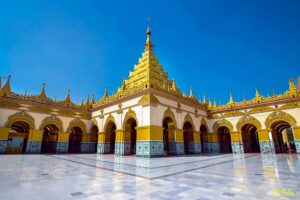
94 176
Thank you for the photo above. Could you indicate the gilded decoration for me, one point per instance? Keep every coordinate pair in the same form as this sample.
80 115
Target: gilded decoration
148 99
9 104
222 122
280 116
188 118
77 123
40 109
168 113
66 112
248 120
20 116
290 105
130 114
233 113
52 120
109 119
260 109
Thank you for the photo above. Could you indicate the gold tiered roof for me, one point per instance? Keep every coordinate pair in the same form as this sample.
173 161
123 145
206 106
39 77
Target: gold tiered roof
147 73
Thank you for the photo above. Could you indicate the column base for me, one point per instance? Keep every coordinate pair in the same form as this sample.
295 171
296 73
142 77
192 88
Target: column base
266 147
104 147
62 147
211 147
150 149
87 147
123 148
33 147
176 148
3 144
297 144
194 147
237 147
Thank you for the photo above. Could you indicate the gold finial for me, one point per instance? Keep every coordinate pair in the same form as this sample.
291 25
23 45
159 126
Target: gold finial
6 91
257 93
230 98
42 95
93 99
105 93
292 88
148 44
68 98
87 102
191 93
215 104
204 99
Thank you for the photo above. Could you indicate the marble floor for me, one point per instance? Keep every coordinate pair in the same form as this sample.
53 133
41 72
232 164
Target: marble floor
94 176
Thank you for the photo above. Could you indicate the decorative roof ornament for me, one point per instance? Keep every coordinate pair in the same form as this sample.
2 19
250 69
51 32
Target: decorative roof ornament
93 99
231 103
68 101
87 102
204 99
292 89
258 98
148 45
6 91
210 104
43 96
105 95
191 93
215 104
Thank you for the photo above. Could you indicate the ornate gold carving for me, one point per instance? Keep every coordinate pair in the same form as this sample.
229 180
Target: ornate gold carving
248 120
260 109
290 105
40 109
20 116
77 123
9 104
148 99
222 122
66 112
233 113
279 116
52 120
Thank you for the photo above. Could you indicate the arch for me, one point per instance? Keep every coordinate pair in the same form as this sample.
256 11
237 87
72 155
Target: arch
188 118
280 116
188 137
18 137
109 119
50 137
204 122
75 138
129 114
246 119
222 122
52 120
20 116
168 113
224 139
168 133
130 134
249 133
77 123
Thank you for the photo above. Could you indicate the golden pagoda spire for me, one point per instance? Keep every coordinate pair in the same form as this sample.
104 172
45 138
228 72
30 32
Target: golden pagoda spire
93 99
6 91
292 88
209 104
230 99
68 98
191 93
148 44
43 96
215 104
258 98
257 93
87 102
105 95
204 99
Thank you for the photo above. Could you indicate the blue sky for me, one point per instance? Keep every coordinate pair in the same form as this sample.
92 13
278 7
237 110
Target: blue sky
213 46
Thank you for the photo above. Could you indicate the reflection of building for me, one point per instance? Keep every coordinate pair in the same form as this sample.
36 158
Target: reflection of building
148 116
